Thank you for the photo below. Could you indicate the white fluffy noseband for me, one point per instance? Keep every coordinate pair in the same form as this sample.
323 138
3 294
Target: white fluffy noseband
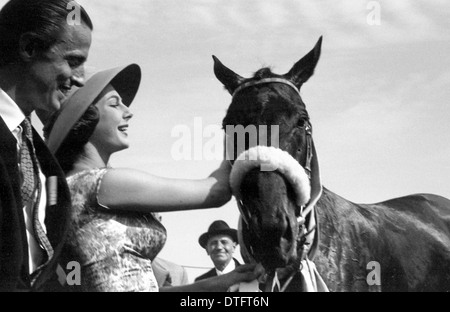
270 158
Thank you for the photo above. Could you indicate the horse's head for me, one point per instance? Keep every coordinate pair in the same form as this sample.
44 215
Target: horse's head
271 199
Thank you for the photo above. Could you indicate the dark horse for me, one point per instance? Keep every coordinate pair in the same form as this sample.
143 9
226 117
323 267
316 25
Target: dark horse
402 244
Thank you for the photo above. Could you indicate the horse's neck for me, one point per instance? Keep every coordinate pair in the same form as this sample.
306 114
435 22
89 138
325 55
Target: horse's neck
331 208
330 212
339 233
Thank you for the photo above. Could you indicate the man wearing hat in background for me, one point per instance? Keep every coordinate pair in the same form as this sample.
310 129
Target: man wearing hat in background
220 244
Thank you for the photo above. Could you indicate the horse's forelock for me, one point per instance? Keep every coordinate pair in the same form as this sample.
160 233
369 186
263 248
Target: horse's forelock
264 72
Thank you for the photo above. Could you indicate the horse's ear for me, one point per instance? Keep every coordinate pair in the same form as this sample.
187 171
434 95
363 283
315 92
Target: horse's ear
304 69
229 78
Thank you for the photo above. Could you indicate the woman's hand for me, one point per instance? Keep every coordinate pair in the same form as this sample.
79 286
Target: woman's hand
220 192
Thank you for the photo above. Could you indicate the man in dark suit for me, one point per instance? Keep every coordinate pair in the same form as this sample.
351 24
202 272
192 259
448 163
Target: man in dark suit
42 52
220 243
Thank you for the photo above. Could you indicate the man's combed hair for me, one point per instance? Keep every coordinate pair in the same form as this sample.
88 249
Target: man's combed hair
43 18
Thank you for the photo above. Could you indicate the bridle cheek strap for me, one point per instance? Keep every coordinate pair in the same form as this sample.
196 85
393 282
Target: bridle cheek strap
312 238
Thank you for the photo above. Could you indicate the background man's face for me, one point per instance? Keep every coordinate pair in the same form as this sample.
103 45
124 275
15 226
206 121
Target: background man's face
221 248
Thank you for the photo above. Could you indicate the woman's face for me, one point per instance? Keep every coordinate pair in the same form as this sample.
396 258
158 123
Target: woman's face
110 134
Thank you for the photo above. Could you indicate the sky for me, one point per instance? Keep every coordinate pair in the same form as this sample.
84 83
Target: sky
378 101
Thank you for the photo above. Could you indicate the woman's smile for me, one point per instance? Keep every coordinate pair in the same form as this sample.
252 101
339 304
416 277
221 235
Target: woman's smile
123 129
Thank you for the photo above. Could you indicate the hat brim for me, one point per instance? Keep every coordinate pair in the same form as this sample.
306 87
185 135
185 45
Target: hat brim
124 79
203 239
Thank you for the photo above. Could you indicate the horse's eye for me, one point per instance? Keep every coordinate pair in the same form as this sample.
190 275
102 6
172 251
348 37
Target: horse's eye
301 123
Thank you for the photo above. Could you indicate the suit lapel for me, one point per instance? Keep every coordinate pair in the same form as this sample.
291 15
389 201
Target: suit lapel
12 222
8 151
212 272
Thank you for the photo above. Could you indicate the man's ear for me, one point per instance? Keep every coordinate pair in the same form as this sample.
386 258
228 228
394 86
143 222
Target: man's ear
28 46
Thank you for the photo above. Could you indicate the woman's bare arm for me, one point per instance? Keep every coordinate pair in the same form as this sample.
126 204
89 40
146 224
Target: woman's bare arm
129 189
242 273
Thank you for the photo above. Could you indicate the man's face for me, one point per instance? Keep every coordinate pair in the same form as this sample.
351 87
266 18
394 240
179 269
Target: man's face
221 248
50 75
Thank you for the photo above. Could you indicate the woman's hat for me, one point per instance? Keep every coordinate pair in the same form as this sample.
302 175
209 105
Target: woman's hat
124 79
216 228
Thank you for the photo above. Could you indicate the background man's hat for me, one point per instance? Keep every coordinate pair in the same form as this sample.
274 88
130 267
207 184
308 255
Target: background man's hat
125 79
216 228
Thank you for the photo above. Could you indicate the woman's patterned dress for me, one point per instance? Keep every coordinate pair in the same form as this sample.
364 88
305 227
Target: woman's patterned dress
115 249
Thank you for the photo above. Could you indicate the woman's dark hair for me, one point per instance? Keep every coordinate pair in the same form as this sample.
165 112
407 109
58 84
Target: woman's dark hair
44 18
73 145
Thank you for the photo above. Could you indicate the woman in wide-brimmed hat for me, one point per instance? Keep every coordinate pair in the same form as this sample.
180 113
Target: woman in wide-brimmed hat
115 232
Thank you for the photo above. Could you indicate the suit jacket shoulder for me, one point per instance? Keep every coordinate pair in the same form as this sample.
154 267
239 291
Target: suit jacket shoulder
206 275
213 272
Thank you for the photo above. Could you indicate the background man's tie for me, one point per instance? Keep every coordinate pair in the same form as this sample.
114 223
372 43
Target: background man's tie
31 183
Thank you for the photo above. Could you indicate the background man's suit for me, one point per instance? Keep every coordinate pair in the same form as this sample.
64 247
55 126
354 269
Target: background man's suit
213 272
